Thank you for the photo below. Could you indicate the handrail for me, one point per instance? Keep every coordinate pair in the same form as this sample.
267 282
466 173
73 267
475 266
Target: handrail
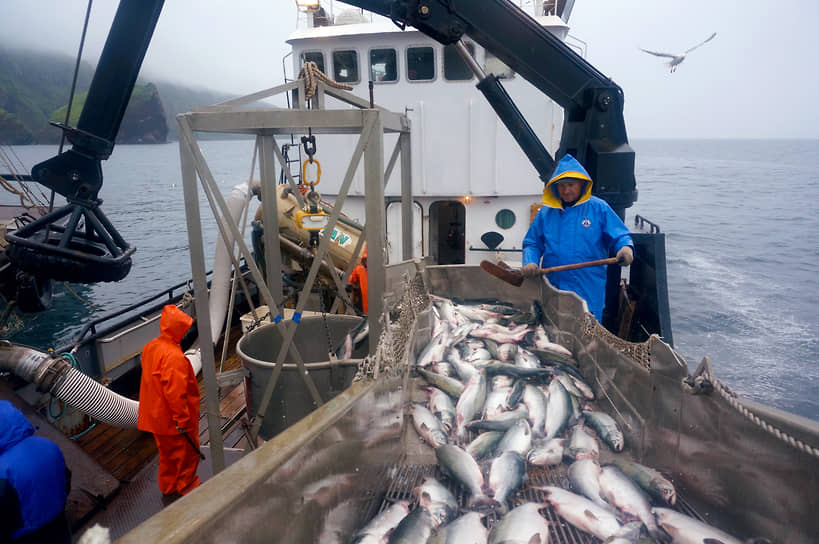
92 325
641 221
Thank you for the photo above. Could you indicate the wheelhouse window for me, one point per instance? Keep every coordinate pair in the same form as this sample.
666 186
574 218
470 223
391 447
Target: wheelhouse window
493 65
313 56
455 69
420 63
383 65
345 66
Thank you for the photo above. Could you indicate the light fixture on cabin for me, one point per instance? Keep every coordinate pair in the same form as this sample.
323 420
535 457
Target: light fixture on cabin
309 6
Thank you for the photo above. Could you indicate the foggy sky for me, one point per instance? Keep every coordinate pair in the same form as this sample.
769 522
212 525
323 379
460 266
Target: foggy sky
756 79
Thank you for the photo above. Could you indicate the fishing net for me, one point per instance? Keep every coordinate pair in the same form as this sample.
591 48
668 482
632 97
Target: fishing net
639 352
398 326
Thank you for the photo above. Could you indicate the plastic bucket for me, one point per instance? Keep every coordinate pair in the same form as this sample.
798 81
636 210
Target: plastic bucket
291 399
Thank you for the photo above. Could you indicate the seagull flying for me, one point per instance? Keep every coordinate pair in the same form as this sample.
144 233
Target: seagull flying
677 59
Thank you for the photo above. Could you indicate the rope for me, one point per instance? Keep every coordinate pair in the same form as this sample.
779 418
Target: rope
311 74
734 402
703 381
78 297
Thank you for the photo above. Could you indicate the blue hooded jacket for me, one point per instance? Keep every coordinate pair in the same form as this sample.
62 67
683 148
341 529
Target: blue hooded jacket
586 231
34 466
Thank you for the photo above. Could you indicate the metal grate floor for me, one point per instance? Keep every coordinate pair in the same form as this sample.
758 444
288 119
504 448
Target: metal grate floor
403 478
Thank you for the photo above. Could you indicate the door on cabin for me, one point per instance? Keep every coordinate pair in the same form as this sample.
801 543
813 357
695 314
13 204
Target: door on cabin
447 227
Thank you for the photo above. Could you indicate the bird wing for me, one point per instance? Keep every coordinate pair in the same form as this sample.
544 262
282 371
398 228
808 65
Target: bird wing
655 53
711 37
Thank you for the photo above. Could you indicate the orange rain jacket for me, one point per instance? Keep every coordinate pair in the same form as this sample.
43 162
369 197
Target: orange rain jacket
168 395
359 276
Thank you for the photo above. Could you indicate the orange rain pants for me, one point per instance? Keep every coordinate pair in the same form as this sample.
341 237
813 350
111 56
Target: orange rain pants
169 402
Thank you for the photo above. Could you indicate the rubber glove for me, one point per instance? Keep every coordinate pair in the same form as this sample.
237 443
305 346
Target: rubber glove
531 270
625 256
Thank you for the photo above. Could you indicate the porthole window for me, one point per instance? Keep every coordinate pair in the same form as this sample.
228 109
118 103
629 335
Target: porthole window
505 219
313 56
345 66
383 65
420 63
455 69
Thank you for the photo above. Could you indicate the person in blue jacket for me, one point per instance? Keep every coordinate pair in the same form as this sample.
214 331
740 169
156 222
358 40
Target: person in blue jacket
33 483
575 227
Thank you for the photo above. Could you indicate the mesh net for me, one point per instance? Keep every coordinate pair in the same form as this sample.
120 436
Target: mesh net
639 352
398 325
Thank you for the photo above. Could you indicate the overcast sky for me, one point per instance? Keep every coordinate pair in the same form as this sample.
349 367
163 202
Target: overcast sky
756 79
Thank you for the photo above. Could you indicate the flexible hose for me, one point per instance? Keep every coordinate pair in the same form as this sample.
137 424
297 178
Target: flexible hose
56 376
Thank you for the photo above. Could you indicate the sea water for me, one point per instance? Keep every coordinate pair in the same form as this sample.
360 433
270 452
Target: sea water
739 217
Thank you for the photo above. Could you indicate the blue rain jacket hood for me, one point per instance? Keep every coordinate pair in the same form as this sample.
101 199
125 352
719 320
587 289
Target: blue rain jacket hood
34 466
567 168
586 231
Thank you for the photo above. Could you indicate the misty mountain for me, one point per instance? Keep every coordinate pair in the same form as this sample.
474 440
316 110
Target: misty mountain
35 86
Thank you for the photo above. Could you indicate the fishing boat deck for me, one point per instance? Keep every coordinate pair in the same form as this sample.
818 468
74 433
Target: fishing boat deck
129 458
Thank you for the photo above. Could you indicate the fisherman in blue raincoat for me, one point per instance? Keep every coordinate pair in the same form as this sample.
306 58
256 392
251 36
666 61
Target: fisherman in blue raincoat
575 227
33 483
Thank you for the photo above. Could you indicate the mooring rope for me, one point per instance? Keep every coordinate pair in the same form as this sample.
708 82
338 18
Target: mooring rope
311 75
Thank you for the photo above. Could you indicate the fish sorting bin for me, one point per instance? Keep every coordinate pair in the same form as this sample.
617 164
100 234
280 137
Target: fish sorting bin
314 338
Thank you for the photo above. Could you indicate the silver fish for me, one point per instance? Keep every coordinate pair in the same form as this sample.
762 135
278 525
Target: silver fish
495 402
415 528
518 438
526 359
480 354
375 532
585 388
428 426
618 490
467 529
442 407
464 369
535 402
687 530
507 352
476 313
463 468
582 444
581 512
547 453
470 403
522 525
585 478
444 368
500 334
506 475
558 410
435 350
654 483
439 500
484 444
450 386
606 428
502 422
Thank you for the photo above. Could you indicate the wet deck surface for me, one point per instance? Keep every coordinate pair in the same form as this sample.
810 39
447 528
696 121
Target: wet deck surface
130 456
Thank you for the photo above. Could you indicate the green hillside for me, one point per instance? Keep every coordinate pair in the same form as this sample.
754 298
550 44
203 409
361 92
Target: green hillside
34 88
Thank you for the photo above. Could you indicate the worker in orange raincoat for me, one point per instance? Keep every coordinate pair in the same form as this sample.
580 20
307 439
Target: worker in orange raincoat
358 279
169 405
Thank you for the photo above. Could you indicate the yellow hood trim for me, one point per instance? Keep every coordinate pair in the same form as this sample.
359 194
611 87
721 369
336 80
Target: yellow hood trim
553 201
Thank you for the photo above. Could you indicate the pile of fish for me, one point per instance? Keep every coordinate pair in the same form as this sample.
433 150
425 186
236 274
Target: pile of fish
502 398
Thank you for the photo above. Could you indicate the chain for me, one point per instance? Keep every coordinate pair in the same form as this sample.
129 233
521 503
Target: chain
258 321
330 344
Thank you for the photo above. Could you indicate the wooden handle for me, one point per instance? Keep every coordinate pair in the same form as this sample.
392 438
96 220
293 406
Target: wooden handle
561 268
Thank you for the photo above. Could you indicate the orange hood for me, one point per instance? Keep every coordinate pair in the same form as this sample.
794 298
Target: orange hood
174 323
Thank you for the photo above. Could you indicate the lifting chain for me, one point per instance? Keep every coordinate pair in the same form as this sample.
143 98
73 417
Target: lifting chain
330 345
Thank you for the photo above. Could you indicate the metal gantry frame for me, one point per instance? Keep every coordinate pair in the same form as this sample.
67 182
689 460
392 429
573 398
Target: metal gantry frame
235 117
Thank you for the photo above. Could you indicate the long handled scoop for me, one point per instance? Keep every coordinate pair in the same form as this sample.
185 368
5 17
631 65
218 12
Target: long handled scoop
515 277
